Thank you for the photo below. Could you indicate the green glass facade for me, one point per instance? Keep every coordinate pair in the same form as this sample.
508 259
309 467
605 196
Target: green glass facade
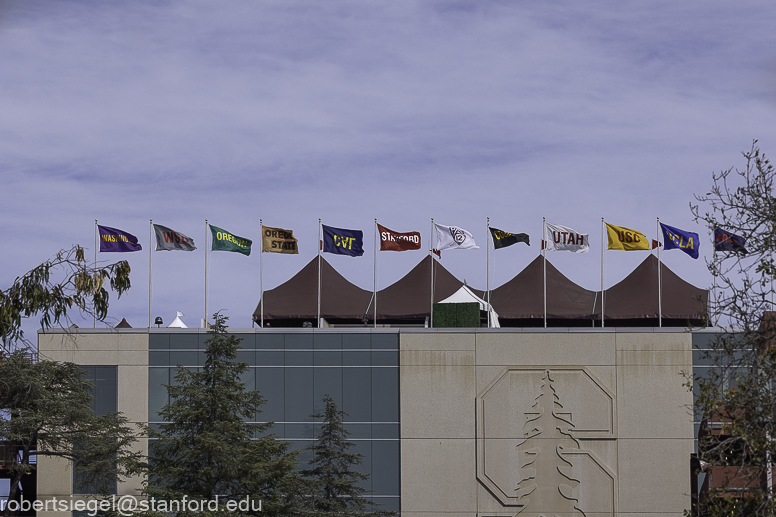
293 372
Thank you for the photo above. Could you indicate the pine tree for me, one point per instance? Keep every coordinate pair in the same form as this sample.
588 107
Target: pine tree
550 481
208 448
332 482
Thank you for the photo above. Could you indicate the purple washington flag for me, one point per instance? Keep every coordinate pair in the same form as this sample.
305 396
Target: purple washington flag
112 239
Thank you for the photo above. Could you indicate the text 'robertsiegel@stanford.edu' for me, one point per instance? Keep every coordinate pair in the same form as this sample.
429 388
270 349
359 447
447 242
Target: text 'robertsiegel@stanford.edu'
127 505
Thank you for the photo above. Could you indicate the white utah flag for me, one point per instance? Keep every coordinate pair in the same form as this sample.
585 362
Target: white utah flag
452 237
563 238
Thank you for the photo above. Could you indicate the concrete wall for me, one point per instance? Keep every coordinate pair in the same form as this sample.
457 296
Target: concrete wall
545 423
128 350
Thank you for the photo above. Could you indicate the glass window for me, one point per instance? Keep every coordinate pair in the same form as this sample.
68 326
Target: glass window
328 358
299 394
159 358
157 393
364 447
247 356
299 341
275 341
329 341
247 341
274 358
183 341
270 383
357 394
161 341
327 381
299 358
385 358
362 341
385 394
188 358
385 479
358 431
385 431
356 358
385 341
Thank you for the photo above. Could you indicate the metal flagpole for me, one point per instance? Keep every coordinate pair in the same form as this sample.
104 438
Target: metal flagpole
431 254
603 292
320 245
261 271
488 237
150 265
375 274
206 254
659 279
544 254
714 261
96 244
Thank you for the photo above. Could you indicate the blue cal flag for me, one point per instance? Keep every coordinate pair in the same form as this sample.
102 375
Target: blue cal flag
343 242
726 241
114 240
675 238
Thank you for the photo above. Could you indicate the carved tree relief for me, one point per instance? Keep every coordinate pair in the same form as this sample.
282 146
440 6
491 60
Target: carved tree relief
546 482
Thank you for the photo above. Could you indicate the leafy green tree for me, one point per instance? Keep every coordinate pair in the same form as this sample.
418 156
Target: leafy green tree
47 405
332 481
207 446
56 288
738 392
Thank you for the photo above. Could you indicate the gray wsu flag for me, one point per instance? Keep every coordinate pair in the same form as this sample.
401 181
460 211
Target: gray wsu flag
169 240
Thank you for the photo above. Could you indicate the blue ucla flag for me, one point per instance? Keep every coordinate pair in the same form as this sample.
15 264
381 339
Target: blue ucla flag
343 242
675 238
120 241
726 241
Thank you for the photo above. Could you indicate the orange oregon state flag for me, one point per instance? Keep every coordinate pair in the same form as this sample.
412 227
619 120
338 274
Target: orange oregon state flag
395 241
625 239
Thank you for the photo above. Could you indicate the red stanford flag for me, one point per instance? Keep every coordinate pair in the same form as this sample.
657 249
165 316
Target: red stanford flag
563 238
395 241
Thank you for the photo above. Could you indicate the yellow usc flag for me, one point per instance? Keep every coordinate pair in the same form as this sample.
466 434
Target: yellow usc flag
625 239
278 240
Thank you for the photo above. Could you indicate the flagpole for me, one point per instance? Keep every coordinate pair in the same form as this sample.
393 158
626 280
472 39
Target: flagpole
206 254
150 265
431 254
487 267
320 245
714 261
659 279
96 243
544 254
603 292
261 272
375 275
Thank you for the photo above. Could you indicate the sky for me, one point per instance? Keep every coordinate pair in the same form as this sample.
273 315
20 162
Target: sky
286 112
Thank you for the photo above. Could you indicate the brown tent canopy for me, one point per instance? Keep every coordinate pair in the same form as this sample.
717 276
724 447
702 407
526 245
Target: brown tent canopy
123 324
520 301
297 299
635 298
409 298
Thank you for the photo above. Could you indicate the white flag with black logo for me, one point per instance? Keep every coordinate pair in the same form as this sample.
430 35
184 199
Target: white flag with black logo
452 237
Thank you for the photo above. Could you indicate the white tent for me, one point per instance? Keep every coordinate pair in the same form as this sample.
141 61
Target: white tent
465 295
178 322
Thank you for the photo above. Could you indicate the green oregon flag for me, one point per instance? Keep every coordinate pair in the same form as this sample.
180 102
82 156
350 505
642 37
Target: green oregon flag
225 241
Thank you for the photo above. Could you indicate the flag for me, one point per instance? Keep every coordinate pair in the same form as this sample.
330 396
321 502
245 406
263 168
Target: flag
656 244
169 240
343 242
395 241
452 237
625 239
113 240
278 240
502 239
726 241
675 238
225 241
563 238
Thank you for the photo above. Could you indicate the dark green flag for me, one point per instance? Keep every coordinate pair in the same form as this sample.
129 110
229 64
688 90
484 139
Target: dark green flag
225 241
502 239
